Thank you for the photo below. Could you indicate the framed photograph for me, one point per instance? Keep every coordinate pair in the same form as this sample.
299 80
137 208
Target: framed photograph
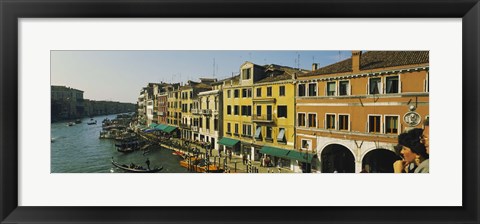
249 112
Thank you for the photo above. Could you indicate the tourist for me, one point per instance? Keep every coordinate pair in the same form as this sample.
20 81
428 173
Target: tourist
413 152
424 139
148 163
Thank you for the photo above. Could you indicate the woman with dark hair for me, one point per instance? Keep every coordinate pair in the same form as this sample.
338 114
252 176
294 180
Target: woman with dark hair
412 151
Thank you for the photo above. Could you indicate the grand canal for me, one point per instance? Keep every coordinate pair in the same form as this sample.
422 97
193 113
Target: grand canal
78 149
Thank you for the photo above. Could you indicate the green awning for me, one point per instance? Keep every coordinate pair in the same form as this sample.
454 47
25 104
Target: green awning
300 156
169 129
278 152
161 127
152 125
228 142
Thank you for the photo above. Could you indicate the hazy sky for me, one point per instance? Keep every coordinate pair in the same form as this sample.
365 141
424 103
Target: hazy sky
120 75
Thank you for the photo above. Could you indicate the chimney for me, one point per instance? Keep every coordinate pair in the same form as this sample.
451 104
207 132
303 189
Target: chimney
356 56
314 66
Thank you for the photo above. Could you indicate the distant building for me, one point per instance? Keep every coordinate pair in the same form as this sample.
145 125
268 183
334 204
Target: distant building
66 103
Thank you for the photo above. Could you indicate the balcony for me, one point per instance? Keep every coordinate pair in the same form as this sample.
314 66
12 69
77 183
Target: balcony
207 112
196 111
264 100
185 126
195 128
265 118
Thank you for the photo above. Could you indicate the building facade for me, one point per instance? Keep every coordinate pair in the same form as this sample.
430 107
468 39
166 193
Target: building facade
258 112
349 114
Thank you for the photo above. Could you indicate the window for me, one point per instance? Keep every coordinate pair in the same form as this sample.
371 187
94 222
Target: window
236 93
391 124
269 91
281 90
236 128
207 123
229 110
259 92
301 119
330 121
247 130
215 124
343 122
312 89
306 144
281 135
392 84
375 85
301 89
228 93
244 93
374 124
343 88
312 120
268 135
246 73
282 111
259 110
235 110
229 128
331 88
246 110
258 132
200 124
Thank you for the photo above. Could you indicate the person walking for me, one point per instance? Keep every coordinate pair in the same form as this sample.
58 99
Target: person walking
148 163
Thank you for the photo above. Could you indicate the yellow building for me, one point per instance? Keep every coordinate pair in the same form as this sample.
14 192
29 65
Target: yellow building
174 112
259 113
188 96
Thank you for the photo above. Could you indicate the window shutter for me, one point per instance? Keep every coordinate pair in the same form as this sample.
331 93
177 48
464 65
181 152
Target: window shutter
349 89
399 85
368 87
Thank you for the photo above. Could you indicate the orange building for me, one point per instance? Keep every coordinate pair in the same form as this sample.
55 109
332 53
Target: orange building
350 113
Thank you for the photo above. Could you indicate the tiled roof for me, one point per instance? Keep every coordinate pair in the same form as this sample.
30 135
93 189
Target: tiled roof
375 60
287 73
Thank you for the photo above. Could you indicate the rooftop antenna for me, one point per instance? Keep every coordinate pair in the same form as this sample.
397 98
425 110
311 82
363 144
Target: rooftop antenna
298 61
213 67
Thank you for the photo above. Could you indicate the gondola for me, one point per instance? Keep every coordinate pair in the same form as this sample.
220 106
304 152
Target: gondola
136 169
125 150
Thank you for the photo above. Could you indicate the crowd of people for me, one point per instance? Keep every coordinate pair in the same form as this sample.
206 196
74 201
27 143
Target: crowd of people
413 148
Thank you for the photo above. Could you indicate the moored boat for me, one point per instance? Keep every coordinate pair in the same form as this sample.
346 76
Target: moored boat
200 165
135 168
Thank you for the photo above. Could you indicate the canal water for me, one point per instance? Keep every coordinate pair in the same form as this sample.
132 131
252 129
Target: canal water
78 149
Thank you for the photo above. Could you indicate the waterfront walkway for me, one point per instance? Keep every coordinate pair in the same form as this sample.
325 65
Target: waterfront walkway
233 165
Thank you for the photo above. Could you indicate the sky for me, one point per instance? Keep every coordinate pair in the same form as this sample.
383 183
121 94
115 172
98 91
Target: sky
120 75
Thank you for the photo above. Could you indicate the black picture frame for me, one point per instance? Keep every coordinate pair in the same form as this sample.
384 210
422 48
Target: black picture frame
11 11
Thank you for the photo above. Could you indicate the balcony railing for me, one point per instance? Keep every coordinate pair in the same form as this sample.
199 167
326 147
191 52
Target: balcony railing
195 128
264 118
207 112
185 126
195 111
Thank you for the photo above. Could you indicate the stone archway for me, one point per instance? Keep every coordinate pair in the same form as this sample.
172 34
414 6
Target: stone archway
337 158
379 161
